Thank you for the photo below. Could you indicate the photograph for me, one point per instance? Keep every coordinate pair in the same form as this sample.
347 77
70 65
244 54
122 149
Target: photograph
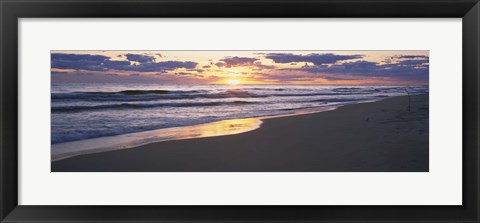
223 111
239 111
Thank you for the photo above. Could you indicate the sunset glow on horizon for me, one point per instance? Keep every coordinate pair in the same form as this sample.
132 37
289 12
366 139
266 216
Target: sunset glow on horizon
242 67
233 81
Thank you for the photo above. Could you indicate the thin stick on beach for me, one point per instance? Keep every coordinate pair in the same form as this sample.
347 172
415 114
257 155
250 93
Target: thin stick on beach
409 99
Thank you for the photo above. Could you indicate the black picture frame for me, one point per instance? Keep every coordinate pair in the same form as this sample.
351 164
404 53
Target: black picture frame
12 10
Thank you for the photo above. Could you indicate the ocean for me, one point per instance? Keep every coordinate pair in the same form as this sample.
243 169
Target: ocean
87 111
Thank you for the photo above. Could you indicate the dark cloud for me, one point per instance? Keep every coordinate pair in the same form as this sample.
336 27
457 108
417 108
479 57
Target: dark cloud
103 63
236 61
261 66
183 73
410 56
220 64
77 57
140 58
404 69
83 62
340 77
103 78
112 65
317 59
59 73
420 62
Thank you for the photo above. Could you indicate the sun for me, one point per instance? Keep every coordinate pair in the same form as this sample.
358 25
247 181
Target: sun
233 82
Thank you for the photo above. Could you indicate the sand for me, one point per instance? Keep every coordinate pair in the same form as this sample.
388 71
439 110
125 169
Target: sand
370 137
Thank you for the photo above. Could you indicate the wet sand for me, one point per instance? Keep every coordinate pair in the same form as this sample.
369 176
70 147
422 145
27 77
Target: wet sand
381 136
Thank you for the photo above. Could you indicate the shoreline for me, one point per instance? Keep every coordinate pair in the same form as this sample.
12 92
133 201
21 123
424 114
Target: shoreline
208 129
284 133
131 140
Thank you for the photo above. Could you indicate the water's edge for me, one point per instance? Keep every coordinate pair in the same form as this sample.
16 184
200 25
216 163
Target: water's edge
70 149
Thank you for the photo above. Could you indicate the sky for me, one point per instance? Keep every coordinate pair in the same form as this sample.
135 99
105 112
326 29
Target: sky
242 67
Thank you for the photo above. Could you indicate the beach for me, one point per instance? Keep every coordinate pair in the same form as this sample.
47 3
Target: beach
382 136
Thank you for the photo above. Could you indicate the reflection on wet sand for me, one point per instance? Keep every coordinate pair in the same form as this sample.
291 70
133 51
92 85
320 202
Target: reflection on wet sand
225 127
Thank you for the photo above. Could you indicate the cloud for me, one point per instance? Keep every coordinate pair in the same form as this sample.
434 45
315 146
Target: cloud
261 66
417 63
220 64
103 63
404 69
317 59
77 57
84 62
236 61
59 73
183 73
140 58
410 56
